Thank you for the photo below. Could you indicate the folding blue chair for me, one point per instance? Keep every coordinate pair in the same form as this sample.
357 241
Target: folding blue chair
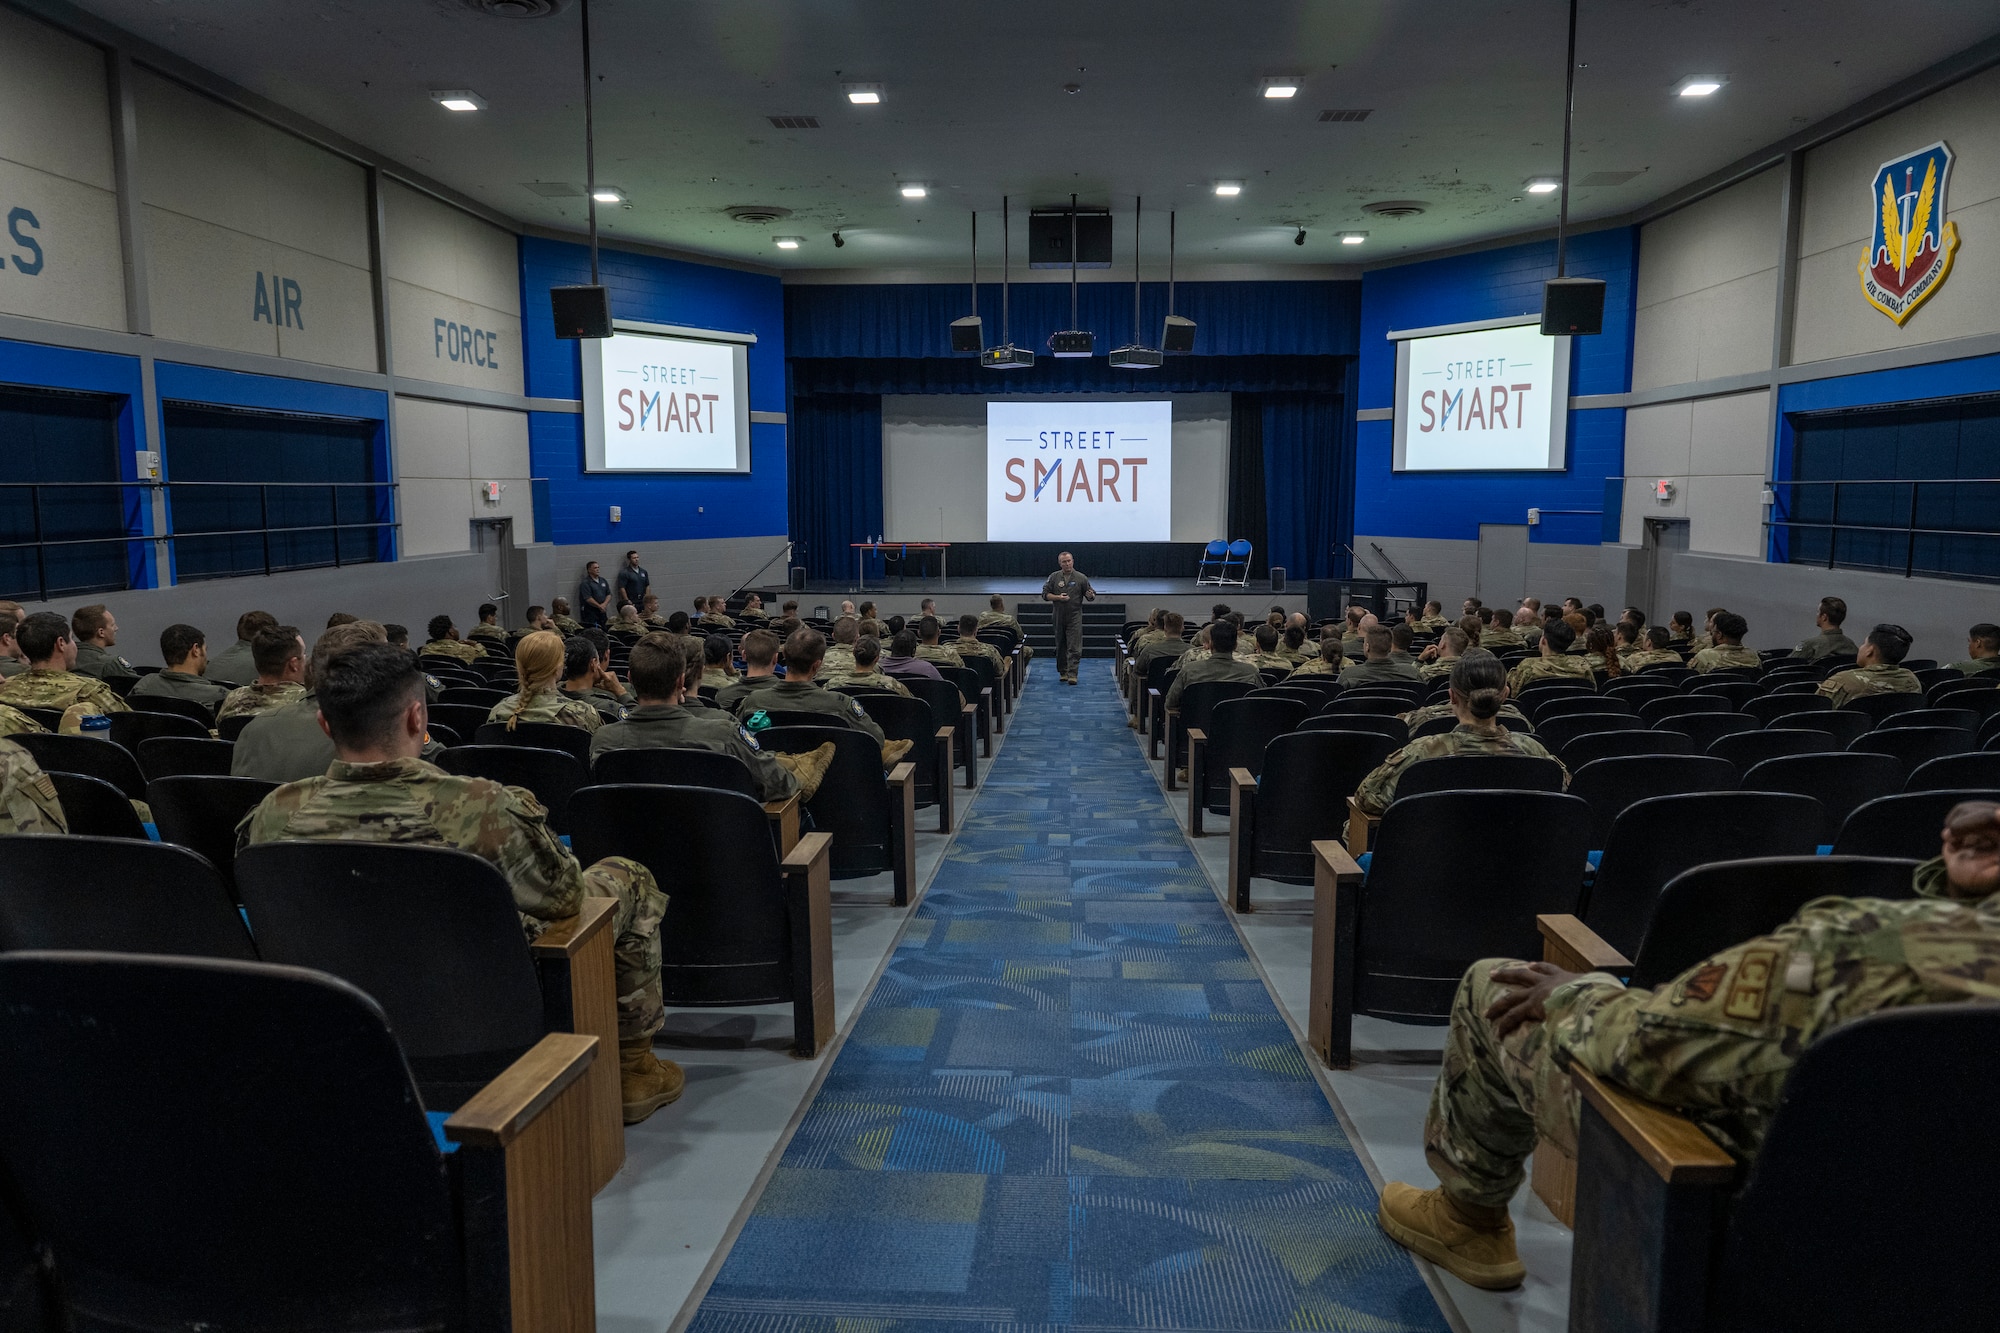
1216 553
1238 557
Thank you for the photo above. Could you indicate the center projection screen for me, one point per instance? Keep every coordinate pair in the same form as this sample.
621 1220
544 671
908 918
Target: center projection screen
1482 400
965 468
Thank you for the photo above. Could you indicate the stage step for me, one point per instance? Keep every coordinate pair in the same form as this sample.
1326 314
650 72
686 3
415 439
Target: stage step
1101 622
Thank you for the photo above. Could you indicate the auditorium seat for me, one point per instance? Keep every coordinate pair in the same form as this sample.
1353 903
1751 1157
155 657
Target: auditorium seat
128 729
1394 728
171 756
115 895
286 1178
1275 817
1842 725
1906 824
930 747
1876 707
553 776
1913 746
873 818
1973 770
200 813
1557 732
1746 748
94 807
1839 782
949 708
574 741
1595 745
87 755
1609 786
1705 729
1235 737
1197 702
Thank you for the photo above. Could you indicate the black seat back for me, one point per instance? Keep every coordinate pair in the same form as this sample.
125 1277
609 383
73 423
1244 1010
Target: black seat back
87 755
724 939
1348 703
553 776
1956 771
1842 725
941 695
114 895
1965 719
675 768
1902 1160
1556 733
454 974
95 808
1768 708
187 708
280 1177
1594 745
1839 782
574 741
1745 748
1680 705
201 813
1880 706
1705 729
1702 911
1737 692
1656 839
1302 795
128 729
1913 746
1424 920
173 756
1569 702
910 720
852 802
1609 786
465 719
1393 727
1908 824
1239 731
1480 772
468 694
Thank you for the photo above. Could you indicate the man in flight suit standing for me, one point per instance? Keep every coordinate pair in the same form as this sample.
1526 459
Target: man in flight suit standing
1066 591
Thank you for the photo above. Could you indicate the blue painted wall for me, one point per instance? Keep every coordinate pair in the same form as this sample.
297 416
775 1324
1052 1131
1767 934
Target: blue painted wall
1489 285
574 508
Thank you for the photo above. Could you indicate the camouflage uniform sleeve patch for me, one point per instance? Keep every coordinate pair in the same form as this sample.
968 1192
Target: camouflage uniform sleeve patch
1701 984
1752 987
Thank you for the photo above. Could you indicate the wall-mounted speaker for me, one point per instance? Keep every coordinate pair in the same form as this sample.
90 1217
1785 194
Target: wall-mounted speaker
968 334
798 578
1572 306
1277 578
1178 335
581 312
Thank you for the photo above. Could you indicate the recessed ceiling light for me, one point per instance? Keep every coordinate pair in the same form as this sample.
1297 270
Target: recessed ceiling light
1229 189
788 242
1543 185
1286 85
604 194
1353 237
863 94
1699 87
912 190
458 99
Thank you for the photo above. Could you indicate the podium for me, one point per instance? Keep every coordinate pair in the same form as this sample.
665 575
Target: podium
1328 599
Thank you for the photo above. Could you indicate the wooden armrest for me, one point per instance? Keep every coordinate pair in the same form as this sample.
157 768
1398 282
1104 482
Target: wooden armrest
567 936
1674 1146
1152 693
1575 947
1240 779
813 847
784 817
1196 736
902 775
946 734
501 1111
1360 825
1333 857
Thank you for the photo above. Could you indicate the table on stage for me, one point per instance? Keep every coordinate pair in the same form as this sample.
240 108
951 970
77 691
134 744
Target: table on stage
902 549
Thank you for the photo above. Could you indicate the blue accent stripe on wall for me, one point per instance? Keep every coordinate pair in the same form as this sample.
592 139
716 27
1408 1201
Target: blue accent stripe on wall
1492 284
656 506
269 393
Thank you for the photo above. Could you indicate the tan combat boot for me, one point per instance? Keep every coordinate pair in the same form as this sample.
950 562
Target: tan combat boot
1476 1250
893 752
645 1081
809 768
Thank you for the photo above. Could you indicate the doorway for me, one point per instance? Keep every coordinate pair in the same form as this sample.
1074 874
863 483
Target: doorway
1660 540
1502 577
504 568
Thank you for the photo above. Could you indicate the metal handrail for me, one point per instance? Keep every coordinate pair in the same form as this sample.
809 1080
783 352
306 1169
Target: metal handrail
1909 530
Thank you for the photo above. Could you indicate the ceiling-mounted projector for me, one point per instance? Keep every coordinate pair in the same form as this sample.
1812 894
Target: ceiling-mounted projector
1136 357
1006 357
1072 342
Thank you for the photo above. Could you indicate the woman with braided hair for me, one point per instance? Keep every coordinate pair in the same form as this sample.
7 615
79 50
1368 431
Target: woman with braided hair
538 669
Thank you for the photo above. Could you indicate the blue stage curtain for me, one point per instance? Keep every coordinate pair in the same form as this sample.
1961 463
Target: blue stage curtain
1249 505
836 478
1181 374
1308 480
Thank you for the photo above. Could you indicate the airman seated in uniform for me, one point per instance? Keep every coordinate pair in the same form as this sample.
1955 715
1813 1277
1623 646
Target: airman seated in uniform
12 661
800 692
236 664
444 641
629 621
865 673
1475 631
28 802
488 633
1139 640
1706 639
538 670
185 651
1830 641
1401 637
49 682
661 722
967 644
538 618
1681 629
840 653
1266 657
1655 653
378 789
649 613
14 722
287 743
1170 643
715 615
1220 664
1716 1043
1875 669
588 678
1728 649
1528 625
930 647
760 662
400 636
1496 630
1982 650
95 630
279 655
566 624
1432 621
1440 657
1478 689
1292 647
753 609
1329 662
1377 643
1309 640
1350 640
1511 717
1555 660
718 661
1627 638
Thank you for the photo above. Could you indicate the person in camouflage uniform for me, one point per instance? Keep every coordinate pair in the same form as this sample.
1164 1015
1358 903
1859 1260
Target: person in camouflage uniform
1432 621
14 722
538 667
1982 649
378 790
1478 694
1728 649
1716 1043
717 668
278 653
760 660
801 692
12 661
1328 662
1220 663
1266 657
565 623
1377 665
48 682
661 722
968 644
1555 661
930 647
839 658
1655 653
863 674
1496 630
488 633
444 642
1875 669
28 801
1438 659
753 609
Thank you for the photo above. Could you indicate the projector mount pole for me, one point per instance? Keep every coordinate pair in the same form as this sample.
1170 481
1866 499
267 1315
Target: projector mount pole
1006 329
1170 261
1072 261
1569 114
589 143
975 265
1138 205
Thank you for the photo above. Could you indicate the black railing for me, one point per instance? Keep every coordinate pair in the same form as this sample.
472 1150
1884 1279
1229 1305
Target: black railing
129 507
1947 527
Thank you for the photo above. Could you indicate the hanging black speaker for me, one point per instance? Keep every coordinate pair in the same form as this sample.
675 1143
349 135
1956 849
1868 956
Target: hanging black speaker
1177 335
1572 306
581 312
968 334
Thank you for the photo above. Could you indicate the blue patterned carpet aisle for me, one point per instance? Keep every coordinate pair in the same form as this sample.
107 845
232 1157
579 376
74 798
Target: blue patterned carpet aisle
1070 1102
